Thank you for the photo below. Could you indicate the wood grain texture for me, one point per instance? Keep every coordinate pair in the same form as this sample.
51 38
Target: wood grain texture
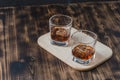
23 59
0 71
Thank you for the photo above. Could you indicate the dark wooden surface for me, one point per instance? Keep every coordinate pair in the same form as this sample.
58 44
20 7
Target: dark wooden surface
23 59
44 2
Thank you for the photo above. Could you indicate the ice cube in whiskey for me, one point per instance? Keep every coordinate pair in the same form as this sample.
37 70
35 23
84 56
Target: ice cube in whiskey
83 52
60 34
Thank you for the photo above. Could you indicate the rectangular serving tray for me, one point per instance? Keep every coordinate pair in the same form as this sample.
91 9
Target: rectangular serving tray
63 53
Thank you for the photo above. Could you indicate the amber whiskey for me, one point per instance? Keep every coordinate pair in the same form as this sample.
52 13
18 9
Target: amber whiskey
83 52
60 34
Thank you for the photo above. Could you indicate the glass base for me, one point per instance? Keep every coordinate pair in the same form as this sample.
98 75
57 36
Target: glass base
78 60
59 43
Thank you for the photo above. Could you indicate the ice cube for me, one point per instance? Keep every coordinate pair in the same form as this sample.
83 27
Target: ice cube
61 32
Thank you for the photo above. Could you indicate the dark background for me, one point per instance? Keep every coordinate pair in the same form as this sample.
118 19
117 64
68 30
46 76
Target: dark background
42 2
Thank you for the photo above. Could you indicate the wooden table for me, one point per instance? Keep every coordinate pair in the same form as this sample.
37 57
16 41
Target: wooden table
23 59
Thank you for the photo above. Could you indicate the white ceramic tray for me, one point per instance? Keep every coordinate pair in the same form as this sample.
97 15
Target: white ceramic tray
103 53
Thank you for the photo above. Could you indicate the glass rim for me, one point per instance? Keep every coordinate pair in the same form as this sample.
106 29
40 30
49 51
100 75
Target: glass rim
71 20
94 38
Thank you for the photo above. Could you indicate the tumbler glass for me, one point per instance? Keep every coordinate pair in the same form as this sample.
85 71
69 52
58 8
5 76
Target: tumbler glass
83 46
60 29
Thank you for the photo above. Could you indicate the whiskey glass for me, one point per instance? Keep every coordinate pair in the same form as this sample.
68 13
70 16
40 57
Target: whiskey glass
60 29
83 46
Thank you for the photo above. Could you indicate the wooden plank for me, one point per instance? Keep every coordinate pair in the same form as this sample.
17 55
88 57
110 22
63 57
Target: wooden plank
2 48
0 71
